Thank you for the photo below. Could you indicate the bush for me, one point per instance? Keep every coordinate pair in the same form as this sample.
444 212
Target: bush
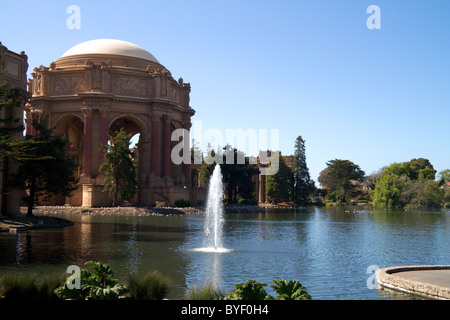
181 203
290 290
30 286
249 202
250 290
207 292
98 285
151 286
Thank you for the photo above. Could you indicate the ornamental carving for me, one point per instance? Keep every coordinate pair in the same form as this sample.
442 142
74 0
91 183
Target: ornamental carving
129 86
69 85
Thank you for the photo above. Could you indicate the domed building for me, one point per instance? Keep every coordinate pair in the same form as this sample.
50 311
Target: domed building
95 89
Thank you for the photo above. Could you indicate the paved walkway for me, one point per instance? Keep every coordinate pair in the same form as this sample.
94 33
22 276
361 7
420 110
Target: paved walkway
432 281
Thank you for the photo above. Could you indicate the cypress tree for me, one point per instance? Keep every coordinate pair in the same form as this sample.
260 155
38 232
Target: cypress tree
302 183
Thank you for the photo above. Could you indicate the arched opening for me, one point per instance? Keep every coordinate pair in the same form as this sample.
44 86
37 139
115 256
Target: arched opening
72 128
136 130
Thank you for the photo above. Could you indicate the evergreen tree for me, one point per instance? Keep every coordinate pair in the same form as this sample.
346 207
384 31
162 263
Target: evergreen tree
302 183
46 170
119 168
278 186
12 145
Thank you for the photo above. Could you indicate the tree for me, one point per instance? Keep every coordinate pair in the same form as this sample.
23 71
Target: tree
388 191
207 167
236 171
12 145
422 169
46 170
119 168
302 183
444 177
237 174
408 184
338 177
278 186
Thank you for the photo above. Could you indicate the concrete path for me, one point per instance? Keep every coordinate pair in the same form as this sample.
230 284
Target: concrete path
432 281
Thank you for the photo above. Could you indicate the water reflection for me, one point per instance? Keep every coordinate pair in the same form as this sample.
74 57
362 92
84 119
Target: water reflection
327 250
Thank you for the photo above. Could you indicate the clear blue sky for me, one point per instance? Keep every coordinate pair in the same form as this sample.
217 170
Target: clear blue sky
309 68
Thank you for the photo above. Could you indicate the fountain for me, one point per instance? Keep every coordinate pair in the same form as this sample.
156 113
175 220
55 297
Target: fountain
214 215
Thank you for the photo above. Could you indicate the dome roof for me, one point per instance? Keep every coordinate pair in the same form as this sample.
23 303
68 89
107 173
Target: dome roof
111 47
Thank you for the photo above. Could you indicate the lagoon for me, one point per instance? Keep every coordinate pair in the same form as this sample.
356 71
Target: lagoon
333 252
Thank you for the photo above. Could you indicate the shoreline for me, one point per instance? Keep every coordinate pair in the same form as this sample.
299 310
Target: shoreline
47 216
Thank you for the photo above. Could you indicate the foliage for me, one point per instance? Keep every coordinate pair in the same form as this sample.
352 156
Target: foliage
290 290
30 286
253 290
408 184
181 203
207 292
98 285
338 177
46 170
446 195
10 124
151 286
12 145
119 168
444 177
249 202
279 185
303 186
388 191
236 171
250 290
237 174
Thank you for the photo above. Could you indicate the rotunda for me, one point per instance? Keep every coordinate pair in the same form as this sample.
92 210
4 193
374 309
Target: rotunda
100 86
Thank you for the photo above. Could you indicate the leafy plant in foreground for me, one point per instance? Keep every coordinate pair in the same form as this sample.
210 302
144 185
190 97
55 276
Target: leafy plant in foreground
98 285
290 290
250 290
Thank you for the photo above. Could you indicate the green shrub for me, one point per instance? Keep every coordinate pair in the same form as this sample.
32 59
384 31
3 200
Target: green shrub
250 290
181 203
207 292
151 286
98 285
290 290
30 286
249 202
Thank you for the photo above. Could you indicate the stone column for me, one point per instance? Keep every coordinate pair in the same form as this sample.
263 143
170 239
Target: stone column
262 188
155 146
87 141
187 158
166 147
103 133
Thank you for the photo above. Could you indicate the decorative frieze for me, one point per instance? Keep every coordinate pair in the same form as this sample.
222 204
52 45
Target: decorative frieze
66 85
128 86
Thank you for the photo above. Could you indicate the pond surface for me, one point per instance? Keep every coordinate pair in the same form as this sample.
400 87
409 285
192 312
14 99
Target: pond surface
333 252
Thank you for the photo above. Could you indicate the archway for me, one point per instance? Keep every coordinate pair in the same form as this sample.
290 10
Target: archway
72 127
137 130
